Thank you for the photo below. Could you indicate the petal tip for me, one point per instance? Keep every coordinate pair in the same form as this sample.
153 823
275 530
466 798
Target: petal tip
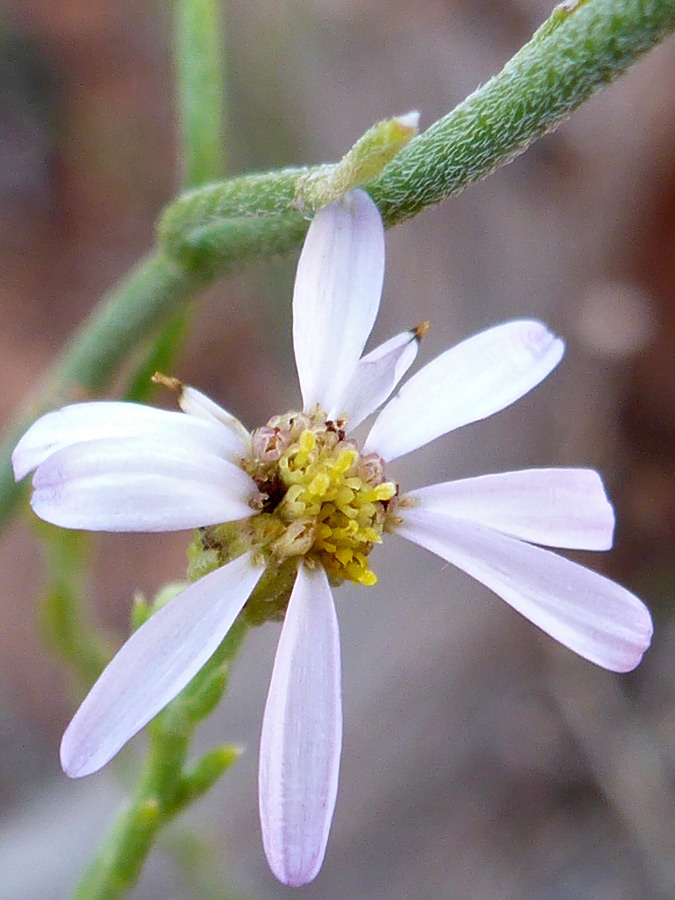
74 764
632 661
540 337
547 340
293 877
625 655
19 466
23 457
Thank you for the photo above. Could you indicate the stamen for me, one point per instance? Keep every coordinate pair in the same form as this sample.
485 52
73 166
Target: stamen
420 330
332 502
167 381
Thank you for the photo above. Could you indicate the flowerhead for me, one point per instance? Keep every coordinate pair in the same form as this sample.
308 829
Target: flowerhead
296 507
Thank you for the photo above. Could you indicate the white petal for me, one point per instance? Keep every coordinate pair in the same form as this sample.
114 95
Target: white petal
375 377
555 507
97 420
586 612
337 294
155 664
194 403
140 484
302 734
471 381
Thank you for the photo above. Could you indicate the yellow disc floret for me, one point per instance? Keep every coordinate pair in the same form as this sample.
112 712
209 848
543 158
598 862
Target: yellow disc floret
320 500
331 500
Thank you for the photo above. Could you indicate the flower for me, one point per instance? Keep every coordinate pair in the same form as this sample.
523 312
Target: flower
296 506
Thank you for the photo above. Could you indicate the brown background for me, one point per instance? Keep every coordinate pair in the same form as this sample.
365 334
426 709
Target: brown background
480 761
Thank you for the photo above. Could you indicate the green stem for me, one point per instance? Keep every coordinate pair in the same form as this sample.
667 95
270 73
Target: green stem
210 230
199 50
201 85
578 50
583 46
64 617
166 787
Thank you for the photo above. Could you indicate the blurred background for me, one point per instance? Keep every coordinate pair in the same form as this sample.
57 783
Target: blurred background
480 760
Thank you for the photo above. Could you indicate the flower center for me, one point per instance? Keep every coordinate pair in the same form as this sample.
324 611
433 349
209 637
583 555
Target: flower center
320 499
330 502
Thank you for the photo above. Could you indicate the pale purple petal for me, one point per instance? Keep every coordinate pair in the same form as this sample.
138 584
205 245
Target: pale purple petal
155 664
302 734
194 403
112 419
376 376
140 484
471 381
337 294
556 507
595 617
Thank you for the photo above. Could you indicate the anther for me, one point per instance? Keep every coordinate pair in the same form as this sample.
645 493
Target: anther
420 330
173 384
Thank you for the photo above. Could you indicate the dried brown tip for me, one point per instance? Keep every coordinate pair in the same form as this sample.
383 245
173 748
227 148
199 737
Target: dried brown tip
420 330
173 384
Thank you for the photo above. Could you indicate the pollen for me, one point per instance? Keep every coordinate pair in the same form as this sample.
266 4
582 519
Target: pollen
331 502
